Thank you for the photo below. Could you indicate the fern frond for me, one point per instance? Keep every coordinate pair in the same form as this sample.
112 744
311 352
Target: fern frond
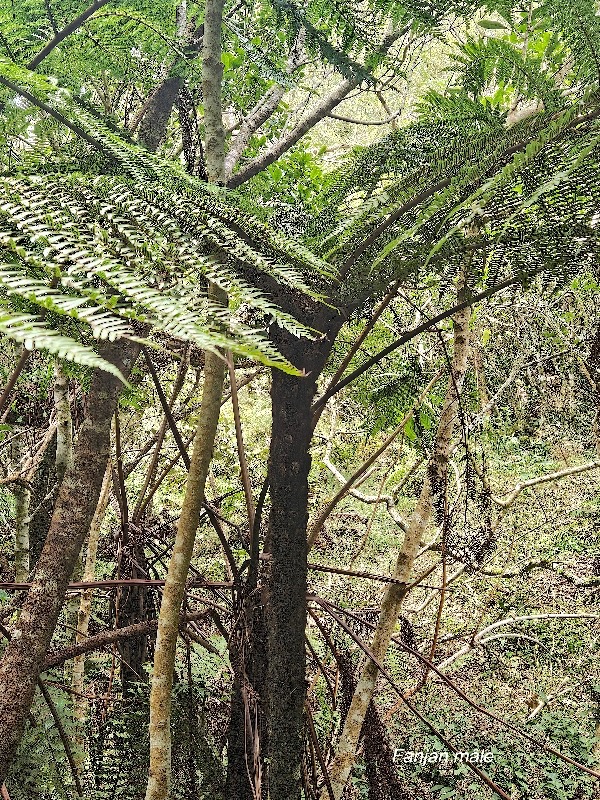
61 231
103 324
32 333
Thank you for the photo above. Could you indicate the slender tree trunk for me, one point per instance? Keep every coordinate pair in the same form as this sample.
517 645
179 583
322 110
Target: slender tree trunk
394 594
212 77
22 497
159 778
63 461
71 519
85 604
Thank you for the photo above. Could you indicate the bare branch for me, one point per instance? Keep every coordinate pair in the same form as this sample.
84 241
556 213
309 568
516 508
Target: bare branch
370 499
14 377
321 519
54 659
351 121
318 113
66 31
512 495
481 637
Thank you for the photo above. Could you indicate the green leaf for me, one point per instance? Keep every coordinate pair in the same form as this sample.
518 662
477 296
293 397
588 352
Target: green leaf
409 430
493 25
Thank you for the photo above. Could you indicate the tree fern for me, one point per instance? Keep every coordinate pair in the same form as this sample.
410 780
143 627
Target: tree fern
495 62
93 233
104 325
531 190
202 203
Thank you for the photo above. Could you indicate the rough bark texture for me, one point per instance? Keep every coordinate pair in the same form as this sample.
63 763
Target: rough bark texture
394 594
73 513
286 610
159 779
153 118
289 465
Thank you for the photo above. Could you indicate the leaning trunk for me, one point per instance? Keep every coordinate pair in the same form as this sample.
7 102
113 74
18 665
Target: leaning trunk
435 484
73 513
159 779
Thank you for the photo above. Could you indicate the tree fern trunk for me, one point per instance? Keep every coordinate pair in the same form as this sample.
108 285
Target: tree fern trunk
289 466
73 513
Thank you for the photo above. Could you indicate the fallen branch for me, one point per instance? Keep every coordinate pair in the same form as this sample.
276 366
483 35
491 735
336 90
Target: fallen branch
54 659
542 702
76 585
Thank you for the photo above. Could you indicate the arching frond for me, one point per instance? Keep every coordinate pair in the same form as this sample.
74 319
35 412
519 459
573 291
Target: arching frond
30 331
